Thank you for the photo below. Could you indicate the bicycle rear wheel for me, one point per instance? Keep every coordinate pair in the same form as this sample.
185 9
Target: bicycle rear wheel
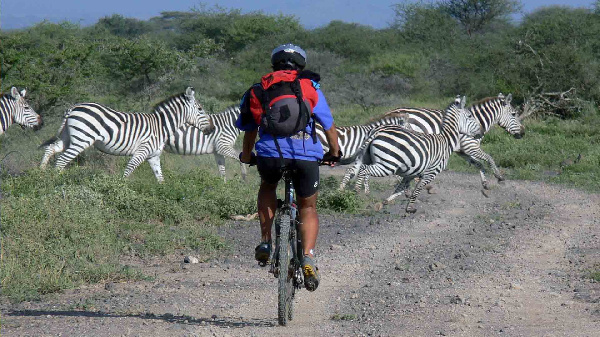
286 273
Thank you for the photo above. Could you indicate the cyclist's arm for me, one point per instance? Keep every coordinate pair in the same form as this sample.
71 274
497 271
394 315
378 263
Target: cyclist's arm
332 139
322 114
245 122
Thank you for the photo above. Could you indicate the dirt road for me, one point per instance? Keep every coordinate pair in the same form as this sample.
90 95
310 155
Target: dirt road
513 264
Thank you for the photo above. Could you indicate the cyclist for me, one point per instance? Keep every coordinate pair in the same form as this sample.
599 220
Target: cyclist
300 151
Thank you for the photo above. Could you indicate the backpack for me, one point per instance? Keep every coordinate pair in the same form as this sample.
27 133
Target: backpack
282 103
285 110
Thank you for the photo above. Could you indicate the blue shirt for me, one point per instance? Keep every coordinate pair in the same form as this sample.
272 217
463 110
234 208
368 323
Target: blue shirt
300 146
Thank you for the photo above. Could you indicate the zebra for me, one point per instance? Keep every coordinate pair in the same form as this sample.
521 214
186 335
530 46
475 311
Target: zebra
15 109
188 140
140 135
488 111
409 154
350 138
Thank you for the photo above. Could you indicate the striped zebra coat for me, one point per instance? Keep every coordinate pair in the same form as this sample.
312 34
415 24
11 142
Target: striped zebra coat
489 112
140 135
189 140
15 109
351 138
395 150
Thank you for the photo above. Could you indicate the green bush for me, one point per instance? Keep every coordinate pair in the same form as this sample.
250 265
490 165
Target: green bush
61 230
331 199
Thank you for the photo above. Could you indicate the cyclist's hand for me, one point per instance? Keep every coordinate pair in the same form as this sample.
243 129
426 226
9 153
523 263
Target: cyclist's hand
249 158
330 160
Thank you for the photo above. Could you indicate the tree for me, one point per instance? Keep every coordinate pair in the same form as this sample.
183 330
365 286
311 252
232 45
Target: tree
124 27
475 15
426 25
51 60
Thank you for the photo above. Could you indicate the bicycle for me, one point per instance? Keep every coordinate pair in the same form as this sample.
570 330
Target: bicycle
286 263
287 257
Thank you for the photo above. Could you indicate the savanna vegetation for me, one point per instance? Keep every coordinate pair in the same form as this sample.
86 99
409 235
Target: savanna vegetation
61 230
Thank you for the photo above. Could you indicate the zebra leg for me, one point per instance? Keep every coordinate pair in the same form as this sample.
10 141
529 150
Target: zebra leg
375 170
155 165
350 172
495 169
72 151
401 186
138 157
220 159
244 171
56 147
366 184
475 161
424 181
230 152
359 178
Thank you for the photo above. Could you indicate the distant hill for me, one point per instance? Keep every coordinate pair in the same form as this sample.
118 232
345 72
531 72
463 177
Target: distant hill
9 21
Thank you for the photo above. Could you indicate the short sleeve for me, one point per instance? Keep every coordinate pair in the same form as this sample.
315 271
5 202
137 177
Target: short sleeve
322 112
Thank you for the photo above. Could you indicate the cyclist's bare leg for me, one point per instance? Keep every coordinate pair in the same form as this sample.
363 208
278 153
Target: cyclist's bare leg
267 204
309 229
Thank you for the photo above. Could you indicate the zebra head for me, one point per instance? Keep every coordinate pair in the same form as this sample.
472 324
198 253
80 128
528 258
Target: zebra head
194 114
23 114
467 123
508 117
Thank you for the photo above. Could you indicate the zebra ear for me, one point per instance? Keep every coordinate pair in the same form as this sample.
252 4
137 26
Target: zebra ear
508 99
23 92
14 92
457 99
463 102
190 93
501 96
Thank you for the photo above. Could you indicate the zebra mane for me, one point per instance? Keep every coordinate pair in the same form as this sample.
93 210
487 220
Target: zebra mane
232 109
164 101
387 115
485 100
9 96
445 112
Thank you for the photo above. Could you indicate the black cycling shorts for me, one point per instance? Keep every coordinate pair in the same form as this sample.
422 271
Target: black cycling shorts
305 175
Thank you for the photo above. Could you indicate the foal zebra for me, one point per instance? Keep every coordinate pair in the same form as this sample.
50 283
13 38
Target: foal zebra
409 154
188 140
350 138
15 109
141 135
489 111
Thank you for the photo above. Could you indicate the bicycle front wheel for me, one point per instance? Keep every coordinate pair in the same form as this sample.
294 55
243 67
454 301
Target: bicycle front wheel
286 272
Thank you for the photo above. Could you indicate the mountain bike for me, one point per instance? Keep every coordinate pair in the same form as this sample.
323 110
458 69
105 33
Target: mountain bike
286 262
287 257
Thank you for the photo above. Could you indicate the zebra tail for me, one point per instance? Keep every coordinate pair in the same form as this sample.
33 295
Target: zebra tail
48 142
363 148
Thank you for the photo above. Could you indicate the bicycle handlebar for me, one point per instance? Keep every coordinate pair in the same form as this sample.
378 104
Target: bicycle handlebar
253 160
328 159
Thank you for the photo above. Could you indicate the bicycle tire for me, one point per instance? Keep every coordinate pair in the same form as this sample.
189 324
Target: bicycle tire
286 285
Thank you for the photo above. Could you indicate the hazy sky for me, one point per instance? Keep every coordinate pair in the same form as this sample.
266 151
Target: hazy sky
377 13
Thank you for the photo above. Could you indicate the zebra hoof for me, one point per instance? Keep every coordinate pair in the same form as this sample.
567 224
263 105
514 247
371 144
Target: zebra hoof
485 193
485 186
410 209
